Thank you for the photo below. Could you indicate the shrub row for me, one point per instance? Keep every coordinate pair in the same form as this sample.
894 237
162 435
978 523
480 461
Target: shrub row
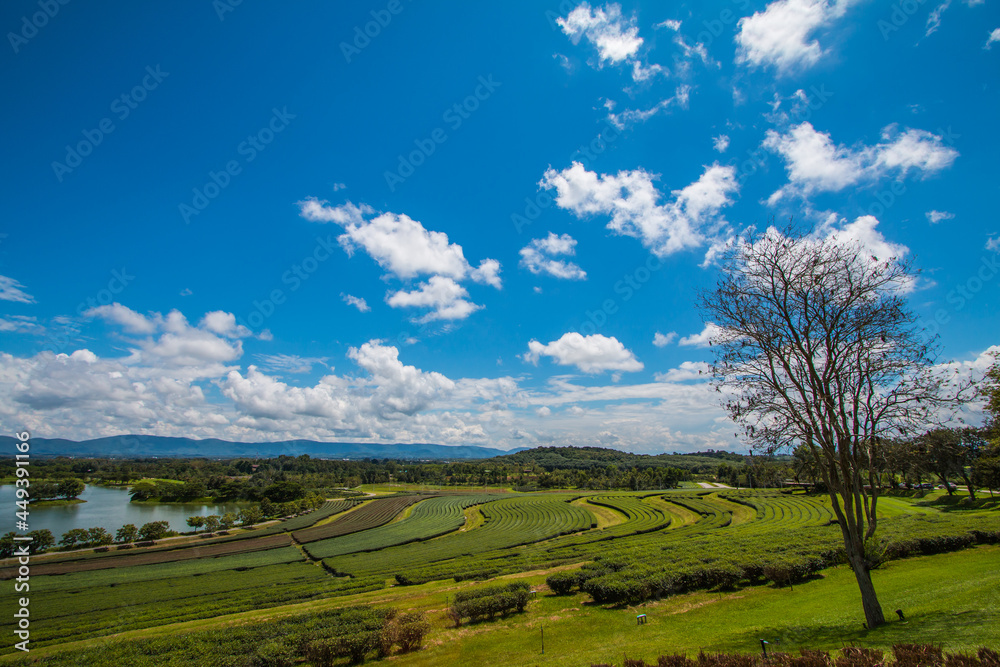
485 603
904 655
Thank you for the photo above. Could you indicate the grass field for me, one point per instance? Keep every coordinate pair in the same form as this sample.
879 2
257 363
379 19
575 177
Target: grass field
629 548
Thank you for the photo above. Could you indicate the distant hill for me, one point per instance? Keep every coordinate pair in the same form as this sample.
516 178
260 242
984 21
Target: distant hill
585 458
143 446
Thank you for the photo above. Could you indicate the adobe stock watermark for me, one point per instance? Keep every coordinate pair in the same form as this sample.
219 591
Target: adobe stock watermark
30 25
364 34
586 155
887 197
454 117
57 342
898 16
711 29
625 288
121 107
962 294
294 277
247 150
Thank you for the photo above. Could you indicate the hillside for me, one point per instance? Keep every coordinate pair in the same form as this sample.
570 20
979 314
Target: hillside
586 458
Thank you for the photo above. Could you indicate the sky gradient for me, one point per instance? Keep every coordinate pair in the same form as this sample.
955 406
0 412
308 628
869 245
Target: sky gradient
461 223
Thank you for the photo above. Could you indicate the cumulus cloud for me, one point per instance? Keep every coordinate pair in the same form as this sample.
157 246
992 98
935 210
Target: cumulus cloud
538 256
782 34
590 354
815 164
11 290
710 333
688 370
355 301
662 340
721 143
447 299
615 37
632 202
407 250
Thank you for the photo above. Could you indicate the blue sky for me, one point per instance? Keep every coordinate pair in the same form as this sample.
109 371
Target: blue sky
462 223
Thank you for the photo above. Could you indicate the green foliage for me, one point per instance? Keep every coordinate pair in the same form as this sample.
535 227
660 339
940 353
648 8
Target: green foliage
485 603
153 530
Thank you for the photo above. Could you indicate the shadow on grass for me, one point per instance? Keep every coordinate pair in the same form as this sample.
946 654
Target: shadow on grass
951 629
959 503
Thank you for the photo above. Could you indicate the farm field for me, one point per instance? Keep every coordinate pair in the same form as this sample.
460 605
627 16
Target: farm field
646 545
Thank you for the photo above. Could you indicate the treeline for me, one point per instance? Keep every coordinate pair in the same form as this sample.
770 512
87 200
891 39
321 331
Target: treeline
286 478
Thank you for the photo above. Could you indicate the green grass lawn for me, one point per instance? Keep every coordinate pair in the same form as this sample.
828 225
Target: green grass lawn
951 599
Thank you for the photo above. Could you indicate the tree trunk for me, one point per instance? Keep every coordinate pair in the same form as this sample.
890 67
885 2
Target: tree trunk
869 600
968 485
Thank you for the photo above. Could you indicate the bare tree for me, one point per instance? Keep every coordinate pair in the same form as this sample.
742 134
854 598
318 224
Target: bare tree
815 347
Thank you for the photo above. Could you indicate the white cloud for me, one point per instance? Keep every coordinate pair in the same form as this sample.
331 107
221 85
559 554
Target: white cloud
355 301
406 249
670 24
815 164
537 257
934 18
688 370
615 37
782 35
122 315
662 340
543 411
224 324
20 324
400 244
11 290
994 37
993 243
629 117
935 217
711 332
631 199
590 354
447 299
721 143
290 363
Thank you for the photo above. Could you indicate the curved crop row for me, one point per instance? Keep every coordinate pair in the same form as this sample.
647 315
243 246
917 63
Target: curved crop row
508 522
371 515
429 519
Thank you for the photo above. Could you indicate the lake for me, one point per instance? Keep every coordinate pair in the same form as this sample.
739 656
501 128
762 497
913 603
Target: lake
107 508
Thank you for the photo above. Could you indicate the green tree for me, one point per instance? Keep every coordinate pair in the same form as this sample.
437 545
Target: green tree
212 522
250 515
70 488
153 530
7 544
40 540
97 537
196 522
143 491
74 537
127 534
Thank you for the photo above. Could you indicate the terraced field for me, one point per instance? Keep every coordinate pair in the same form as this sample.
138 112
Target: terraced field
647 544
509 522
372 514
428 519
